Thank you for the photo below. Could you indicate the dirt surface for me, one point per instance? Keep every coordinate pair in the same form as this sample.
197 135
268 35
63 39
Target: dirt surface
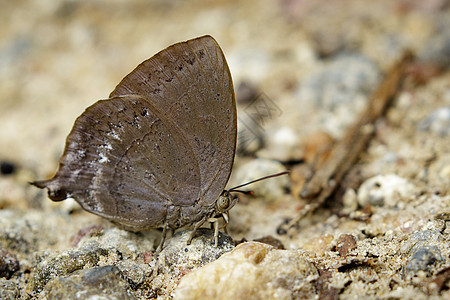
303 71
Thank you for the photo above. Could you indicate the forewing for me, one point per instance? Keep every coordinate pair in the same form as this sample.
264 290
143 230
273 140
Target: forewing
190 83
127 162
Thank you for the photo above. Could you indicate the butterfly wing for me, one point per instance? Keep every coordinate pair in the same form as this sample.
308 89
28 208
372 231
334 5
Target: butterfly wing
166 138
190 83
126 162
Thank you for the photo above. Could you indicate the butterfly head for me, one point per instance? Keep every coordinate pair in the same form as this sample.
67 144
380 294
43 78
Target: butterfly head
225 202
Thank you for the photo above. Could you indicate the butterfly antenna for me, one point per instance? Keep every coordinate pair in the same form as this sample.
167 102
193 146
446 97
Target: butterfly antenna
235 189
243 192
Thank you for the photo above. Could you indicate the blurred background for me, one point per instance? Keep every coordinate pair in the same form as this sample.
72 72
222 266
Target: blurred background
58 57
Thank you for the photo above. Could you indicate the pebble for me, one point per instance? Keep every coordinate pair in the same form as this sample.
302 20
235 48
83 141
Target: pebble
386 189
422 247
93 283
63 264
345 244
178 258
8 264
252 270
423 258
135 272
421 238
114 246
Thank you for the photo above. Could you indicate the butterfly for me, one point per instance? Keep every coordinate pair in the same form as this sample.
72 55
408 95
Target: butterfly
159 151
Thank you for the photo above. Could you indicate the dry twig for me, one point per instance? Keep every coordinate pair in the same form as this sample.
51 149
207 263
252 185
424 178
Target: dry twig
346 152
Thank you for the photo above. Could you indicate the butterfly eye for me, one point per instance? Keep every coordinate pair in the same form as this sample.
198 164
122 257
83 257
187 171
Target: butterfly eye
223 203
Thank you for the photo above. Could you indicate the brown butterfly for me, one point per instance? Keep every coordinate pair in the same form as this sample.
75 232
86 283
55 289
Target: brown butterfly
159 151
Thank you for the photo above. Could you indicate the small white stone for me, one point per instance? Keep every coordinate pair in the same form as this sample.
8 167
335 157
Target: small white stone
384 190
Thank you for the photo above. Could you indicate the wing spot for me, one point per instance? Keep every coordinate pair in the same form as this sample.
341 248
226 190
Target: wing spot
144 112
103 158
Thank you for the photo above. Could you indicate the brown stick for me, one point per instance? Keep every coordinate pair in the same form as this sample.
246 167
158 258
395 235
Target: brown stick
346 152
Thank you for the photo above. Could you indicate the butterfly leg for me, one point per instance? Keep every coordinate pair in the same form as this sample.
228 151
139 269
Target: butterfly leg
215 220
225 228
163 238
226 217
216 230
197 226
171 232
